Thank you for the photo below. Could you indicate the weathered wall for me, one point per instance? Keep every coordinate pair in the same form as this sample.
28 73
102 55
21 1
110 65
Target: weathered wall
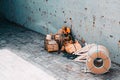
95 20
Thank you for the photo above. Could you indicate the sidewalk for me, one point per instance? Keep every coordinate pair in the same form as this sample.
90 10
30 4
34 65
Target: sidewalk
25 56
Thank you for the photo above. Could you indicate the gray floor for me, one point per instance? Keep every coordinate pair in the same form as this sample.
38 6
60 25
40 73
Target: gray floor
29 46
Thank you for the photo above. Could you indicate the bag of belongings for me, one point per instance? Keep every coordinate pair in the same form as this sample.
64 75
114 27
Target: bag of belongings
63 40
72 47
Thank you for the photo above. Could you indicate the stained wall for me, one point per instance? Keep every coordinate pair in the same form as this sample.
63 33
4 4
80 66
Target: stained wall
97 21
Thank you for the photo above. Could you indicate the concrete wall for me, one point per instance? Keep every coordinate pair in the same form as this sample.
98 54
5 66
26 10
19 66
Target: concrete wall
95 20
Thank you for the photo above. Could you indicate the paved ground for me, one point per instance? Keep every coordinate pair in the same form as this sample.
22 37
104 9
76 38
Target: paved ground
28 46
13 67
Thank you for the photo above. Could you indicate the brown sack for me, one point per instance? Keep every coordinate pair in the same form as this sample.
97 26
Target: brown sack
72 47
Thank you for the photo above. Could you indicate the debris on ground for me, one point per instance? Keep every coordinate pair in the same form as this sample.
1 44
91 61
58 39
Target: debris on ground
96 58
64 39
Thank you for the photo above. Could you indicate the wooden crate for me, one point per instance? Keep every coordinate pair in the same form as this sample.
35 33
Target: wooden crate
51 45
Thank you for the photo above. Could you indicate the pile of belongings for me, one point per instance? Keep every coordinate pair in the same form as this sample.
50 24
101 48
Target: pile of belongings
95 56
63 40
